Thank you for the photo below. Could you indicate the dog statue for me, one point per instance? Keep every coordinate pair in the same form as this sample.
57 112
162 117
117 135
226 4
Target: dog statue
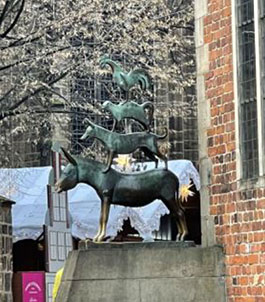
118 143
130 190
141 113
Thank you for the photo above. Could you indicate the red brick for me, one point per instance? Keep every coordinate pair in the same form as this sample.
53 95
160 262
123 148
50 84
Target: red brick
255 248
228 87
221 149
261 204
226 12
220 129
208 39
253 259
212 151
231 146
211 132
207 20
230 127
258 237
240 214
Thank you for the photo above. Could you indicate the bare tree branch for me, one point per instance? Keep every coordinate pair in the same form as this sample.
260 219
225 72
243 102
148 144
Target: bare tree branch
11 111
20 42
12 25
2 16
3 98
30 58
43 41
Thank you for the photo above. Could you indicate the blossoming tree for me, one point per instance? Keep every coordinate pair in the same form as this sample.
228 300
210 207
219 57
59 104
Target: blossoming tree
46 45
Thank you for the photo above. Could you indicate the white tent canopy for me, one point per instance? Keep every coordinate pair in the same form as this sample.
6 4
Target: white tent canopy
27 187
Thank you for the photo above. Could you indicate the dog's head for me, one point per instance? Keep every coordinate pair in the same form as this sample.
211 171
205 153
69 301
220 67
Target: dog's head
89 130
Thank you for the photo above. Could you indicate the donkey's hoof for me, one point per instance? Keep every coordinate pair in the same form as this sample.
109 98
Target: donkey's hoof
95 239
178 237
100 239
182 238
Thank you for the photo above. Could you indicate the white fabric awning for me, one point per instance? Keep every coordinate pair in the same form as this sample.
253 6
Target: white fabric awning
27 187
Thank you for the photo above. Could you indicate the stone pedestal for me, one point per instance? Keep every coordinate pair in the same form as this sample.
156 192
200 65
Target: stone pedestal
5 249
143 272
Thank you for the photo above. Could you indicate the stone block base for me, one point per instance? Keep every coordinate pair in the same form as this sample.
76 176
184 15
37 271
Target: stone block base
143 272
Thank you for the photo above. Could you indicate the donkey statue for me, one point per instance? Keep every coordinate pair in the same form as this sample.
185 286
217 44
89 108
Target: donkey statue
130 190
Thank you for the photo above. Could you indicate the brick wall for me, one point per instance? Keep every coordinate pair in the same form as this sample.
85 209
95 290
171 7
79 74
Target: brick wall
238 214
5 250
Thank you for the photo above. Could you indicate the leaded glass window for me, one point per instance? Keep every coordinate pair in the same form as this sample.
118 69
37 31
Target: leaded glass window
247 89
82 93
90 94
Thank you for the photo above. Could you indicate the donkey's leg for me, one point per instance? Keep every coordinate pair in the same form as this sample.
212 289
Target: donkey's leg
105 216
110 158
178 212
95 239
183 224
182 219
173 212
180 229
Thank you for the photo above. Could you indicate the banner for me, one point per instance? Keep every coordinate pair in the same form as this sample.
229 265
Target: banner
33 287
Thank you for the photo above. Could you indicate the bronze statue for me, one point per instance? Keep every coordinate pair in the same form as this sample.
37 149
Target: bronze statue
118 143
131 190
127 80
141 113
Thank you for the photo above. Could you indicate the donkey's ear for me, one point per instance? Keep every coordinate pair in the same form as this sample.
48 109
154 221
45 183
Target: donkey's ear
86 121
69 157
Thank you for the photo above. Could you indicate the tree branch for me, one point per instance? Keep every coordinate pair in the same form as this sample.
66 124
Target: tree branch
12 25
2 16
20 42
29 59
6 94
56 93
11 111
38 111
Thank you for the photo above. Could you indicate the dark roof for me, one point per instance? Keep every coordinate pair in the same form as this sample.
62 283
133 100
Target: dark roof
5 201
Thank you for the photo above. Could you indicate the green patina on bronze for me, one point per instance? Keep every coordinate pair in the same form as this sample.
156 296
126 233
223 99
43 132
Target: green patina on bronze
127 80
141 113
131 190
118 143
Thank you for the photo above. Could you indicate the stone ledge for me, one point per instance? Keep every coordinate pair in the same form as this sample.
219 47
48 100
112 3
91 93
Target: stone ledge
134 272
87 245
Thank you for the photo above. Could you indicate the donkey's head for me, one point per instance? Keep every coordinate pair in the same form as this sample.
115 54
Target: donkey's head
69 176
89 130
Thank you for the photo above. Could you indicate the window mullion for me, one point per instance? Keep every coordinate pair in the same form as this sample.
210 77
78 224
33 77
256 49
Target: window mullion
236 85
258 86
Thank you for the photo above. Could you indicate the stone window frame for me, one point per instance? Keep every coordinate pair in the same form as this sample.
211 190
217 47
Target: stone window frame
259 180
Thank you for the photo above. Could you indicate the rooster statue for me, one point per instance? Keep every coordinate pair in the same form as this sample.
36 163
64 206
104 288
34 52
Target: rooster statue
127 80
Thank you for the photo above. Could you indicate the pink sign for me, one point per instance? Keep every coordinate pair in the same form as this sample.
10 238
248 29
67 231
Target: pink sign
33 287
